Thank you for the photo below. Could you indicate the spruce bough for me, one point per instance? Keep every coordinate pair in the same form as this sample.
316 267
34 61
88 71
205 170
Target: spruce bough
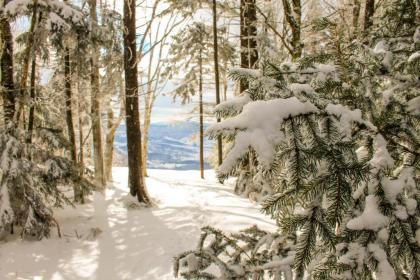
336 142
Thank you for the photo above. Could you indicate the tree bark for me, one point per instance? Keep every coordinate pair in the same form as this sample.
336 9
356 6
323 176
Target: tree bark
225 79
248 33
77 191
69 98
6 67
369 11
113 125
200 89
294 21
109 145
148 96
96 104
31 118
356 15
136 180
26 61
216 75
79 113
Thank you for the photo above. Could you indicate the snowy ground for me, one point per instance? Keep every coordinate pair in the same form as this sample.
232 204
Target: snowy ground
134 244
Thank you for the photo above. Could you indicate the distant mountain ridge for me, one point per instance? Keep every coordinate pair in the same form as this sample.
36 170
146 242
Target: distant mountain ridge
171 146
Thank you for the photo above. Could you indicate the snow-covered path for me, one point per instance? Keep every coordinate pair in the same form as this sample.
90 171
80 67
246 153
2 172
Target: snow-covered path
133 244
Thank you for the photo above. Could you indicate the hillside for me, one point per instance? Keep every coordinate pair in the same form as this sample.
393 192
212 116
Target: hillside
171 146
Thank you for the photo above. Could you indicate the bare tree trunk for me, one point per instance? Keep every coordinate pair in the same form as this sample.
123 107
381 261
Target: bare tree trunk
26 62
151 92
225 88
147 122
109 144
244 56
294 20
77 191
248 33
136 180
32 105
69 99
356 15
369 11
79 111
96 104
145 142
31 118
113 125
200 63
6 67
225 80
148 95
216 75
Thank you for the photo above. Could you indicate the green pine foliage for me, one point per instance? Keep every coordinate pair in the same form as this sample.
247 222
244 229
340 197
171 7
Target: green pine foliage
237 256
341 158
33 177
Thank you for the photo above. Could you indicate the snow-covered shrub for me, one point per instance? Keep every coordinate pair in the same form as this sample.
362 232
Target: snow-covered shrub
30 177
336 134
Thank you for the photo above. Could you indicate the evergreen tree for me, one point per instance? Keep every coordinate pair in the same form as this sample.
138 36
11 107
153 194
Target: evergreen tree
336 138
30 177
191 57
33 163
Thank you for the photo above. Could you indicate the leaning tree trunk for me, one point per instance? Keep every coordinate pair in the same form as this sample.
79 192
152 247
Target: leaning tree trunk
145 141
95 104
136 180
216 76
151 95
369 11
200 63
6 67
148 97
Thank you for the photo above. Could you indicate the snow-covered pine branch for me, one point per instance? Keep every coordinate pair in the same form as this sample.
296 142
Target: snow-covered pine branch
338 146
31 177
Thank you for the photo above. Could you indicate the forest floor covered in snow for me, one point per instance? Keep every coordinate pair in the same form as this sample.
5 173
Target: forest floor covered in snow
105 239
